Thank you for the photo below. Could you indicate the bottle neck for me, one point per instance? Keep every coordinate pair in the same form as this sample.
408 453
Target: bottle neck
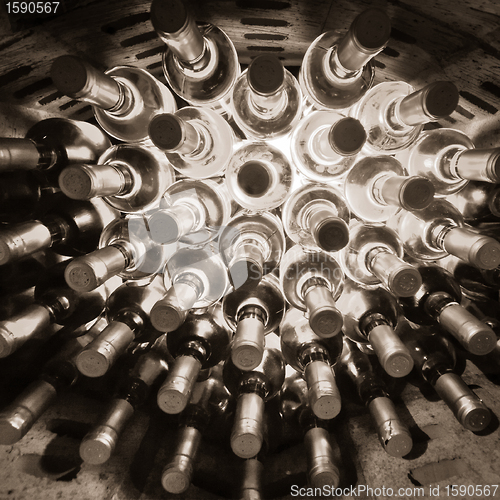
24 154
269 106
371 321
473 164
436 303
322 148
312 352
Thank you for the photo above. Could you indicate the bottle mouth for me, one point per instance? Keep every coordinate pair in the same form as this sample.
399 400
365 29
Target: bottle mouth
254 179
166 131
416 193
168 16
266 74
347 136
441 99
332 235
163 228
69 74
372 29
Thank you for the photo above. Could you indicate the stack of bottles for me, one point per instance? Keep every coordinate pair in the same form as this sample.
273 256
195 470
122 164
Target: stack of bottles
270 232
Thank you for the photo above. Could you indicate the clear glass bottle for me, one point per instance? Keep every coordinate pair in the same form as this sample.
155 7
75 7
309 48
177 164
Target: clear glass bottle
71 228
252 245
201 342
316 217
198 142
394 113
55 303
313 357
200 62
26 194
438 300
325 145
435 360
252 389
252 313
449 159
337 69
99 443
58 374
393 434
195 420
127 312
377 187
125 250
52 144
124 98
370 318
128 177
439 230
312 282
266 99
478 202
190 211
374 256
194 278
320 445
259 177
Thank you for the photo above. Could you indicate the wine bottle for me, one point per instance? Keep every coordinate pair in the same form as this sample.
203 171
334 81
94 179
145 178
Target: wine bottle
52 144
266 99
71 228
251 245
337 68
259 177
197 142
127 311
200 62
435 361
195 420
312 282
252 389
325 145
438 300
252 313
377 187
438 230
26 194
449 159
129 177
394 113
370 318
58 374
478 202
100 442
55 303
374 256
313 357
393 434
125 250
201 342
252 477
320 446
194 278
124 98
316 217
192 212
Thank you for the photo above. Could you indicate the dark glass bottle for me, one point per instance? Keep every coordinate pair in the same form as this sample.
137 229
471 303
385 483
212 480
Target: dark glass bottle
55 302
393 434
100 442
434 358
438 300
72 228
201 342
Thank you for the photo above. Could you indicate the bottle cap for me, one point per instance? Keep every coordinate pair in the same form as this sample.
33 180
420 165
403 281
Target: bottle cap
404 281
322 469
391 352
246 435
473 414
168 16
163 227
97 446
324 396
266 74
69 74
347 136
332 234
166 131
77 182
324 318
416 193
254 179
248 345
485 253
372 29
167 317
176 476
